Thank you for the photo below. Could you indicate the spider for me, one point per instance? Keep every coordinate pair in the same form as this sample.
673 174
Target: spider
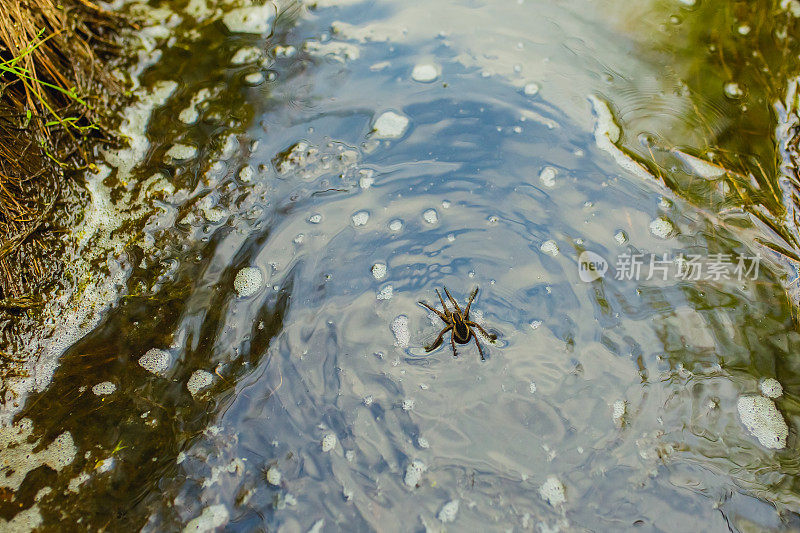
458 323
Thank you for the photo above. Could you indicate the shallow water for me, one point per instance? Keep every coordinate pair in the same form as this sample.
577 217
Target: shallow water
623 391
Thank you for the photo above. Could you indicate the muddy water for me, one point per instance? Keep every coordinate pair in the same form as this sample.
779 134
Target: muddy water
611 403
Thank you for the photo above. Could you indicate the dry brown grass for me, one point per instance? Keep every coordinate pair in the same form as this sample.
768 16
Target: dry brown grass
54 93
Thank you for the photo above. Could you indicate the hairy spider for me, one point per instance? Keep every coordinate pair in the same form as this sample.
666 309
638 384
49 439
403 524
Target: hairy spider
457 323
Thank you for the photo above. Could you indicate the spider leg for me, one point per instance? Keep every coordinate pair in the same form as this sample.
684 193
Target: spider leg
438 341
439 313
453 301
453 344
469 303
477 326
478 344
446 311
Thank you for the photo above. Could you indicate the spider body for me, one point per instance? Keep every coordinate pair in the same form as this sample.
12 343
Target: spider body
457 322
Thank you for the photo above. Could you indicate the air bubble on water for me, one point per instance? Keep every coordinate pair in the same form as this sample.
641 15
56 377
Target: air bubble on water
532 387
425 72
316 218
549 247
423 443
531 89
401 332
451 237
396 225
430 216
446 204
360 218
248 281
535 324
379 271
408 404
733 90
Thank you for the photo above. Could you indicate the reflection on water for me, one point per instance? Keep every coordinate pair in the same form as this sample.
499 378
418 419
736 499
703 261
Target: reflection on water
603 405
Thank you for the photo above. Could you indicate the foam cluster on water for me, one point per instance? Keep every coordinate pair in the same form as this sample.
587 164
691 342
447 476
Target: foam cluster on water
552 491
390 125
21 454
199 381
771 388
763 420
155 361
401 332
448 511
248 281
414 472
329 442
212 517
251 19
104 389
425 72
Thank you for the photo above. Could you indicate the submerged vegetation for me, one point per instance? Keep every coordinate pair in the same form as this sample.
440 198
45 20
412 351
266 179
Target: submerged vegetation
55 94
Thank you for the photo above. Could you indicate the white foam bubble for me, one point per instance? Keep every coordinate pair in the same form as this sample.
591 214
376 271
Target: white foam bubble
390 125
552 490
414 472
385 293
104 389
733 90
431 216
328 442
155 361
549 247
661 227
379 271
360 218
401 332
618 411
274 476
532 387
18 456
249 281
199 380
763 420
531 89
253 19
396 225
771 388
212 517
548 177
535 324
425 72
316 218
448 511
181 152
246 54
